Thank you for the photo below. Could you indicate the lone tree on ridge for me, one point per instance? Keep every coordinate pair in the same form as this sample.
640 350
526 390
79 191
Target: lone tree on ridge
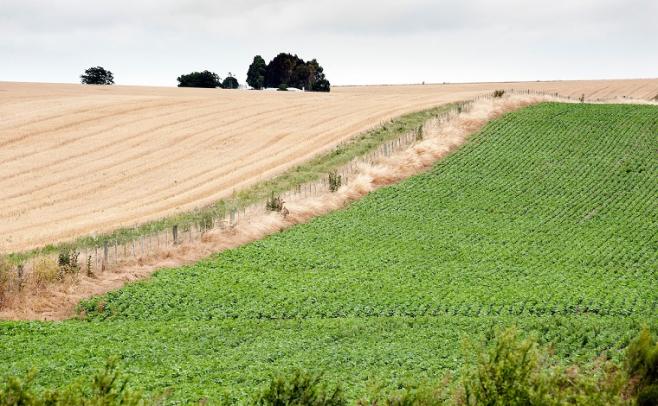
97 76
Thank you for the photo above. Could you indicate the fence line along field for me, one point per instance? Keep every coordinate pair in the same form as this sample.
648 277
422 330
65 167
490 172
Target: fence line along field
78 160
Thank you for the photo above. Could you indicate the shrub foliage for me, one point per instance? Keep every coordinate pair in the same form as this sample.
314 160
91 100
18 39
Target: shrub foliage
204 79
300 388
106 388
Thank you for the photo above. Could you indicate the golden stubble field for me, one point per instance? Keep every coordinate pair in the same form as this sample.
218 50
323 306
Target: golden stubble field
77 160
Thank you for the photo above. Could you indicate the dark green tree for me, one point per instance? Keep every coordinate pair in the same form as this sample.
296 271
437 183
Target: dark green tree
256 73
321 85
291 71
205 79
280 70
97 76
230 82
300 77
317 81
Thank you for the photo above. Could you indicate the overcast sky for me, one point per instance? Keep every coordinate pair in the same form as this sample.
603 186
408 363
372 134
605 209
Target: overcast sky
151 42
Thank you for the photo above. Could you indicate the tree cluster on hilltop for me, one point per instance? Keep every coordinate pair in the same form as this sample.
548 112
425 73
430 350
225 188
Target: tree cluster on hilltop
284 71
287 70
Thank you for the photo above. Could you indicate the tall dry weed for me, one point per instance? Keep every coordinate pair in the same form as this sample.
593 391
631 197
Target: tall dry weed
45 272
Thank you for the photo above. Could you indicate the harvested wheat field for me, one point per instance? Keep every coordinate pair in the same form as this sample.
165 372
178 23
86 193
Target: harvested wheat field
77 160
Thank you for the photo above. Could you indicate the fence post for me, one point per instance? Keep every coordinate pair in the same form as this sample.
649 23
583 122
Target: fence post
20 272
106 253
174 232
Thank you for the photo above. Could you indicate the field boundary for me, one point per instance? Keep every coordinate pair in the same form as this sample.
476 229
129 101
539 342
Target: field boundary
308 174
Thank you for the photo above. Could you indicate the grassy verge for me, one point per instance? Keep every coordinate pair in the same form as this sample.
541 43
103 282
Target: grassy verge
312 170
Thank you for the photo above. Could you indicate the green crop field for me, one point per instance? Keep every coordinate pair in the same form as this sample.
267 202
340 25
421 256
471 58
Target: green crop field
547 219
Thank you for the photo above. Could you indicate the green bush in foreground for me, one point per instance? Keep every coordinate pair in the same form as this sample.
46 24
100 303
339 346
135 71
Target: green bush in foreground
515 371
106 389
642 365
300 388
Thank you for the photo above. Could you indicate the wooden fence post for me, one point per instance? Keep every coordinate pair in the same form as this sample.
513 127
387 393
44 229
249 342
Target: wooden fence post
174 232
106 254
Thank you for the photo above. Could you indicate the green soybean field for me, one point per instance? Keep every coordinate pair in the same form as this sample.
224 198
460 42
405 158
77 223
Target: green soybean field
547 220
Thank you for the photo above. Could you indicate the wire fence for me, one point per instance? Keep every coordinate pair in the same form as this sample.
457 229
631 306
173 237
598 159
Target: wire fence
111 254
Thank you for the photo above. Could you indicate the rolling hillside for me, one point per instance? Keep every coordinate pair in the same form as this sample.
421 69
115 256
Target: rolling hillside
546 219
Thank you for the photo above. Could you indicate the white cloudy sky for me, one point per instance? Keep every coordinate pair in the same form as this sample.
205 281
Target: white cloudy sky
151 42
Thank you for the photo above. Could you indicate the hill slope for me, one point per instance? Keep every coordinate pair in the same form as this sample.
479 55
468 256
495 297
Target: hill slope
546 219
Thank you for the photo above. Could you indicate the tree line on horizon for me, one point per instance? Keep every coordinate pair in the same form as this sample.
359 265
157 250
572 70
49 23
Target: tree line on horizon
284 71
